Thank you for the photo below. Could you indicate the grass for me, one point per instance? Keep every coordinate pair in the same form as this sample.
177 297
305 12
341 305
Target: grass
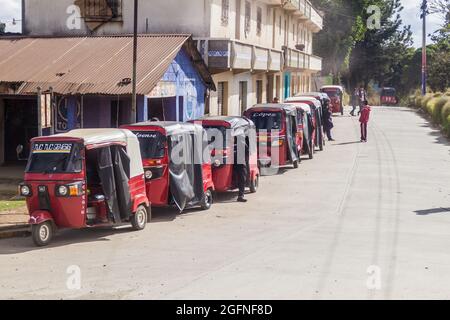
11 205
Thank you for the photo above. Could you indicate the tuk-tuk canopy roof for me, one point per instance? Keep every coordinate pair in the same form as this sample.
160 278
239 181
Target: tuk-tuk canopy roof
171 127
303 106
93 137
287 108
333 87
233 121
314 94
310 99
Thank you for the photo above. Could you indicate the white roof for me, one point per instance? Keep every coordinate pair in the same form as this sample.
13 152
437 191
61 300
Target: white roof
299 99
100 136
304 106
333 87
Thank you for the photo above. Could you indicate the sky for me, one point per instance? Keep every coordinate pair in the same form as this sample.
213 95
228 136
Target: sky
12 9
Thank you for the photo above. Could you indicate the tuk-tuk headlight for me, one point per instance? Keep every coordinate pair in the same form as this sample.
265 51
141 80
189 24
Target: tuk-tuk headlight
63 191
25 191
277 143
148 174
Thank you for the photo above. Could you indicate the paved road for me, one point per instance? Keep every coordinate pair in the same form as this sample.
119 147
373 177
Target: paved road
311 233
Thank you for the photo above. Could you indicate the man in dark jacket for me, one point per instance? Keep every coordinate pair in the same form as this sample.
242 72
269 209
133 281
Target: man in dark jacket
241 157
328 121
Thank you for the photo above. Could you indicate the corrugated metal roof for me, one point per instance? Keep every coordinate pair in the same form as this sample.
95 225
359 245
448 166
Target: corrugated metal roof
87 65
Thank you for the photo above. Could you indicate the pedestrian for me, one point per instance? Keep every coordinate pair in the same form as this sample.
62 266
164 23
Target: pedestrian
364 119
328 121
362 96
355 101
241 158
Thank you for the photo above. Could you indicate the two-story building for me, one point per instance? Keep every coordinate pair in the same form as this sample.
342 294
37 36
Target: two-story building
256 49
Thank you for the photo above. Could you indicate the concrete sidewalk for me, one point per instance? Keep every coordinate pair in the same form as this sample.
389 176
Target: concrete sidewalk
13 222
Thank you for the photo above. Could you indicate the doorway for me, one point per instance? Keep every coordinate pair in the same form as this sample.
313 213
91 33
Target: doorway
21 125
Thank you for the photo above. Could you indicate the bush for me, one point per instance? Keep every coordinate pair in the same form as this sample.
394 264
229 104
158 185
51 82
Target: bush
437 110
425 101
445 116
418 102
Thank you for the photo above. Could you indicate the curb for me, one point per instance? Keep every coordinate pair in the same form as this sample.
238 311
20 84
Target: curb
15 231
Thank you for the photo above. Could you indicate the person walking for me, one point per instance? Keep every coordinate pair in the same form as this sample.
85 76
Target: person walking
328 121
241 157
355 101
364 120
362 95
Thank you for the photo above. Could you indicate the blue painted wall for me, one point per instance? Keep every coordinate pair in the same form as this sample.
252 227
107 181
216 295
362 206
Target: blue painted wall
191 89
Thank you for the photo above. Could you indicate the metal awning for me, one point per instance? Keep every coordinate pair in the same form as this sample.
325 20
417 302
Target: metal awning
92 65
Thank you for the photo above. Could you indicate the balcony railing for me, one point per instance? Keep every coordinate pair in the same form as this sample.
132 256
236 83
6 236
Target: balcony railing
225 54
315 63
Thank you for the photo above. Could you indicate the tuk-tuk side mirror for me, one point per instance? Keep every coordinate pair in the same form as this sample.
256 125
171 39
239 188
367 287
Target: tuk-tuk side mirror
19 151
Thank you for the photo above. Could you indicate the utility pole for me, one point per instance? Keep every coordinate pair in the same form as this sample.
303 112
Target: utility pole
424 9
135 47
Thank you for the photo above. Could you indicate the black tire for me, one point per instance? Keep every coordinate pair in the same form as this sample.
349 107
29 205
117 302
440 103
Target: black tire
321 141
311 150
254 185
139 218
42 234
207 200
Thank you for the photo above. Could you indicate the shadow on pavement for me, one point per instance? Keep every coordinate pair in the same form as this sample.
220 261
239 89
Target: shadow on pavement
346 143
432 211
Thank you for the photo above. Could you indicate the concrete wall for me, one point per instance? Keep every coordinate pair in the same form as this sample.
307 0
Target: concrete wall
49 17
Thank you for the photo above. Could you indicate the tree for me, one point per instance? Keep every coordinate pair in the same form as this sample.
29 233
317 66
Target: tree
2 28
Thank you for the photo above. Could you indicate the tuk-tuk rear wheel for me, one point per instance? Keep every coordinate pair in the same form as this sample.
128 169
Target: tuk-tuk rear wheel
42 234
207 200
139 219
254 185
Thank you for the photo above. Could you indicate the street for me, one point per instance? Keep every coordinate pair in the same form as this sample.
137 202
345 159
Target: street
360 221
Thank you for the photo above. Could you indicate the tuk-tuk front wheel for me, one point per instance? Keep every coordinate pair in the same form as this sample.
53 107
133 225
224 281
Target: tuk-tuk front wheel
254 185
42 234
207 200
139 219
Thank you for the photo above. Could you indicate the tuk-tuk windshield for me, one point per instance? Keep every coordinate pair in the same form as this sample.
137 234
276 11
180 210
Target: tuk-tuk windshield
55 157
152 144
266 120
211 134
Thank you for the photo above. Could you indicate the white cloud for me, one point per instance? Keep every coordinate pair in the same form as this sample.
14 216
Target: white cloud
411 16
10 9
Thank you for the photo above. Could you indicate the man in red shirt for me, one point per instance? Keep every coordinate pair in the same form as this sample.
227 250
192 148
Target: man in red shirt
364 119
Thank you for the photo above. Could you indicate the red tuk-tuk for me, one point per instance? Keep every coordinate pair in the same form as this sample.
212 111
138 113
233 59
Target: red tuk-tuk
336 94
388 97
176 172
231 129
316 130
277 131
84 178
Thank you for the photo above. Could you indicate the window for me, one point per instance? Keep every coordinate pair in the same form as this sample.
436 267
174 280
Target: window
222 98
293 32
259 91
243 96
225 11
259 21
279 25
248 16
102 10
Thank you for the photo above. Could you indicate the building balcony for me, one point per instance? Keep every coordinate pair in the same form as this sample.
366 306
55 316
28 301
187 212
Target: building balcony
299 61
227 54
305 11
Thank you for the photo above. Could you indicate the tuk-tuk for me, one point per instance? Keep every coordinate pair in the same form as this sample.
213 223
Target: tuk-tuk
176 172
82 179
336 94
277 130
231 128
306 127
388 97
318 137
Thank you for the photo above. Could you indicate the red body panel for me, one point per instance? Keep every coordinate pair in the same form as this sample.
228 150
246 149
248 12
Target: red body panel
335 102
